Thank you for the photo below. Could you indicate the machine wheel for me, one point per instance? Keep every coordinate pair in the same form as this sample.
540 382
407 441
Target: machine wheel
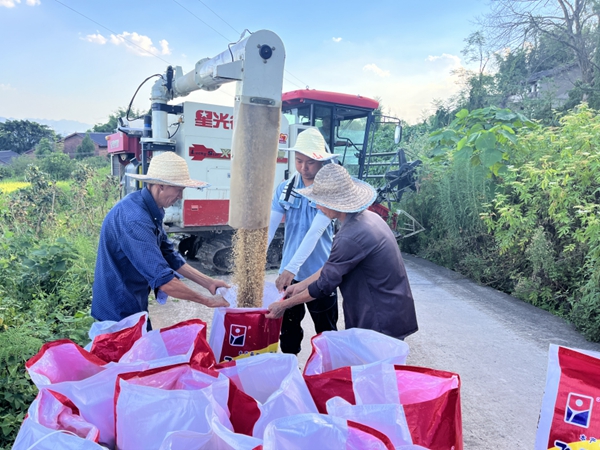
215 254
275 250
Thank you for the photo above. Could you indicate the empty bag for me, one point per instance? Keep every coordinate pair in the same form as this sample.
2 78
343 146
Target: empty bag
83 378
275 384
430 398
323 432
111 340
53 422
152 403
183 342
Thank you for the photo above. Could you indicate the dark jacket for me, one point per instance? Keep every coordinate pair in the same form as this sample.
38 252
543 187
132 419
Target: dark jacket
366 264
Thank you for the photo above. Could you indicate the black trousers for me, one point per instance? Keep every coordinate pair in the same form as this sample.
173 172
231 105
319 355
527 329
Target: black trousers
324 314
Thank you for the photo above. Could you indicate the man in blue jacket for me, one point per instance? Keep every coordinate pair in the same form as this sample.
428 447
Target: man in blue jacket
307 240
135 256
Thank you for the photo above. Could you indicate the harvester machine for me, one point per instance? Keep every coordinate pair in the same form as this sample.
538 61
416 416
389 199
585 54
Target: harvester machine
204 135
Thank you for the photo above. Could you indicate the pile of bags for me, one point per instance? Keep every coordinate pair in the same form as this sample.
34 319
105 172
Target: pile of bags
130 389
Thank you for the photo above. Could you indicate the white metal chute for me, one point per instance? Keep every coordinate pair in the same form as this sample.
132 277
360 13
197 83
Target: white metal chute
250 60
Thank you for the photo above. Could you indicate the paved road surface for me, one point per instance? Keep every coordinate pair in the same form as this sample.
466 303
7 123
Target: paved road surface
497 344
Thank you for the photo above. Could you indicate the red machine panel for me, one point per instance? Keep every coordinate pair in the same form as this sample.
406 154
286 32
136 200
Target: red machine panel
203 213
119 142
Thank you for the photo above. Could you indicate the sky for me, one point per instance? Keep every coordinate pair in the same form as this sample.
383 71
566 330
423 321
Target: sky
82 59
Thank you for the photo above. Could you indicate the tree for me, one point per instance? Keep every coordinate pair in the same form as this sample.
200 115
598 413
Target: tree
571 23
479 86
22 135
113 120
86 148
44 147
57 165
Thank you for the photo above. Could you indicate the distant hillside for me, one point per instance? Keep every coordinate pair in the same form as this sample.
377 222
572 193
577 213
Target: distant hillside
62 127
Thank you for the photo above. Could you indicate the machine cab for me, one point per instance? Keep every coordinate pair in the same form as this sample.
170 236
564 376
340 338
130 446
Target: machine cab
343 119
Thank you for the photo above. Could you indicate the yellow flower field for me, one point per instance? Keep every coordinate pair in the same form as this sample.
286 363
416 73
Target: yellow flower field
7 187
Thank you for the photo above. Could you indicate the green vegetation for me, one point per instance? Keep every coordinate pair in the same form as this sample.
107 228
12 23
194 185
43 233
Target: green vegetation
516 211
23 135
48 238
86 148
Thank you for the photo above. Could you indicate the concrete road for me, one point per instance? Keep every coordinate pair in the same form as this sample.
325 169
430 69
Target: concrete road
496 343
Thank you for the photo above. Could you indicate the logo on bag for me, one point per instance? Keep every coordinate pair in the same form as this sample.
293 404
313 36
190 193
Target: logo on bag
237 335
579 410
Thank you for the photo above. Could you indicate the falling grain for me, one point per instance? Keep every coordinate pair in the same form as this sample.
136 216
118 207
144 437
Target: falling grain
249 260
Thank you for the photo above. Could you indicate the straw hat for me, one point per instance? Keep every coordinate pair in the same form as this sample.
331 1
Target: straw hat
335 189
170 170
311 143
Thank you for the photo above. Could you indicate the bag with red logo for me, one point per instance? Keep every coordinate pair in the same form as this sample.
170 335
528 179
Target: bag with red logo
241 332
569 417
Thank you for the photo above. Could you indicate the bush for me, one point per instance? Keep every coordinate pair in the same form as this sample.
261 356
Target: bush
57 165
16 389
20 164
6 172
47 254
96 162
529 226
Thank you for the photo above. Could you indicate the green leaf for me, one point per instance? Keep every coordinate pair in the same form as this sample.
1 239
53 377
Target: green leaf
475 161
486 141
510 136
439 151
498 168
464 155
505 114
491 156
449 135
462 113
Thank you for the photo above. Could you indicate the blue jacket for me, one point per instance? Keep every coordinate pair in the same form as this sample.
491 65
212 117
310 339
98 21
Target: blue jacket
134 256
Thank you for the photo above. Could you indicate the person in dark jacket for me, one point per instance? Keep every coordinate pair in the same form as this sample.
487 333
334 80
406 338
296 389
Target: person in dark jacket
307 241
365 261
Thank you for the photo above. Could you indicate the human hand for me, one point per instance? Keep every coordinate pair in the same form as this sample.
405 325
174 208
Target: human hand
276 309
216 284
216 302
284 280
294 289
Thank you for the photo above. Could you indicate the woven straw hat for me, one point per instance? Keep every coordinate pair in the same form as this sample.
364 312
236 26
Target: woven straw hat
335 189
311 143
170 170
